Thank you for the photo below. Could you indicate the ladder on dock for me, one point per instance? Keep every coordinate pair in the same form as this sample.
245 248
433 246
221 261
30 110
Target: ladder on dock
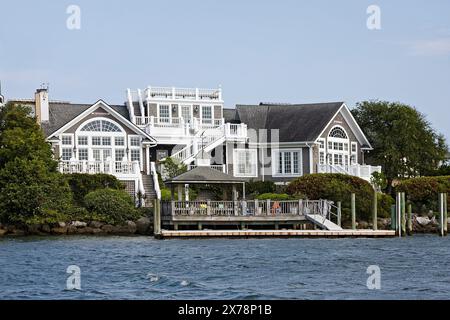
323 222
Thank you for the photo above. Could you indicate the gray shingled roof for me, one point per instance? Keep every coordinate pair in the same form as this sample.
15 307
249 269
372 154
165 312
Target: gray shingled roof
62 113
296 122
204 175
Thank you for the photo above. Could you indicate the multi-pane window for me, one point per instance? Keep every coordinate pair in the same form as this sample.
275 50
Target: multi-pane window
338 132
345 146
82 141
330 145
289 162
120 154
101 126
106 141
66 154
206 114
119 141
164 113
96 141
135 141
322 157
321 144
353 147
83 154
186 113
67 140
135 154
245 163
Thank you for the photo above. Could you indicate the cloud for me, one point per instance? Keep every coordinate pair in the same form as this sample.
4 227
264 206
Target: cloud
435 47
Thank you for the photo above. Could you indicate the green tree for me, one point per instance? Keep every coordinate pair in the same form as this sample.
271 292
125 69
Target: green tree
31 189
404 142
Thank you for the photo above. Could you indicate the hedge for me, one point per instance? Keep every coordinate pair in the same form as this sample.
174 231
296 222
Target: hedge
275 196
338 187
81 184
423 192
260 187
112 206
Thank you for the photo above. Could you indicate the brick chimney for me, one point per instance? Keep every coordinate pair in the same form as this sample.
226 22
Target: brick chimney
42 105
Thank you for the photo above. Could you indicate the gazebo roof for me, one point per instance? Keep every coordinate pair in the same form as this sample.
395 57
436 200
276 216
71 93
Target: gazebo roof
204 175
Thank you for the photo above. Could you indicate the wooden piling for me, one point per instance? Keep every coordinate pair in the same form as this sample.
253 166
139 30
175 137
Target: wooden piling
353 207
442 222
393 224
339 213
403 221
445 213
375 210
398 214
157 217
410 226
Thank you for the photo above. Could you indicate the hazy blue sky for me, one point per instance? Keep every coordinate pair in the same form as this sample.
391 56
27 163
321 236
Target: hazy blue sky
279 51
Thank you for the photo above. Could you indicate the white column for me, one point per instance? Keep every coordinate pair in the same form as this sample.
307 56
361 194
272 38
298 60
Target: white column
147 158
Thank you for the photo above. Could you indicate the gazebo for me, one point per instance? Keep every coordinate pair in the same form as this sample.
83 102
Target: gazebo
203 175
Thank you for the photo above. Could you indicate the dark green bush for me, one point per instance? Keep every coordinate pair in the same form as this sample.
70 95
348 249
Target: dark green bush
338 187
260 187
423 192
111 206
81 184
275 196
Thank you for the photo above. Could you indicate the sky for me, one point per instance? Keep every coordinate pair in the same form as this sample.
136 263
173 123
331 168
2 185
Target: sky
258 51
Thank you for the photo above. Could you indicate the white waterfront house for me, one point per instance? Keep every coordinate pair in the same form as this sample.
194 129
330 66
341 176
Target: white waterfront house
268 141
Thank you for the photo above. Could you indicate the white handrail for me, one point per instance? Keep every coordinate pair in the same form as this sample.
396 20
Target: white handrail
155 180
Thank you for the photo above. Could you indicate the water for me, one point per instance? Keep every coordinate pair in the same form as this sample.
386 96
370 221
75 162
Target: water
144 268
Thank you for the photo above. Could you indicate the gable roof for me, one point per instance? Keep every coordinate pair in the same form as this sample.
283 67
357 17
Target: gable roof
204 175
295 122
65 115
62 113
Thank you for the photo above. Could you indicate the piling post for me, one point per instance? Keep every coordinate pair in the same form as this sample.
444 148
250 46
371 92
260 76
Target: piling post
403 213
375 210
339 213
393 224
445 213
410 227
441 214
398 214
353 207
157 218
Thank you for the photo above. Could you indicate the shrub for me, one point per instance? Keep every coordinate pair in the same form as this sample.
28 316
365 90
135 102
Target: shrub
275 196
81 184
385 202
338 187
423 191
111 206
260 187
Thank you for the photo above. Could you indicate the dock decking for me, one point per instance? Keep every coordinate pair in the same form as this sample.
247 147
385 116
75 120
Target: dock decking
168 234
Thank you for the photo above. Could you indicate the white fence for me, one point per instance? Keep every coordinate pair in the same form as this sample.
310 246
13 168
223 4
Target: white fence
92 167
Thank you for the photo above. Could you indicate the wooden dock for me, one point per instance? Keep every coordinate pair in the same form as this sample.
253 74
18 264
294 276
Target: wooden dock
169 234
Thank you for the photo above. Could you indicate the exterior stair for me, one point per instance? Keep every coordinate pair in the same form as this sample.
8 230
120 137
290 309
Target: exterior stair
323 222
149 188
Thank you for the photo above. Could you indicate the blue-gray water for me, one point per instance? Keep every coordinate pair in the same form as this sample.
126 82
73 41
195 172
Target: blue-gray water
143 268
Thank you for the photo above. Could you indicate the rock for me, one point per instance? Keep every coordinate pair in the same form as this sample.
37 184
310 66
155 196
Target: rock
97 231
3 232
423 221
131 226
72 230
61 224
143 225
34 229
363 225
46 228
18 232
85 230
78 224
96 224
59 230
107 228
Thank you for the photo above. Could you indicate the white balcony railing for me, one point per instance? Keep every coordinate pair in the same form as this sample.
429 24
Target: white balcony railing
93 167
362 171
172 93
218 167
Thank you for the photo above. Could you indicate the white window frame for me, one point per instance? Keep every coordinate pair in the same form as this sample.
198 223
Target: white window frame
69 135
212 113
354 154
275 163
159 113
191 111
254 160
130 147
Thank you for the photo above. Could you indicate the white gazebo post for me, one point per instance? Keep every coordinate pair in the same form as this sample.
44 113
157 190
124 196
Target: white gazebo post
147 158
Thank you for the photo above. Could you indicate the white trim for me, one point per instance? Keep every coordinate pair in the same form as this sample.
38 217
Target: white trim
88 111
158 113
201 113
274 156
254 158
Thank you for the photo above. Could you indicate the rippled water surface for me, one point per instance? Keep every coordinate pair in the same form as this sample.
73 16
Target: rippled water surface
144 268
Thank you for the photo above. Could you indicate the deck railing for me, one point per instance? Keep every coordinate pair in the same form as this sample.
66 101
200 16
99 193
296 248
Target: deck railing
358 170
247 208
93 167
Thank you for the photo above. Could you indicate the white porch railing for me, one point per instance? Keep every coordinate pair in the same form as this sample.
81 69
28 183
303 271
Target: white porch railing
155 180
247 208
218 167
173 93
93 167
362 171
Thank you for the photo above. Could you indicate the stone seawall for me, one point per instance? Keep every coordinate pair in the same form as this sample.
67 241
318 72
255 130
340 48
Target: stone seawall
143 226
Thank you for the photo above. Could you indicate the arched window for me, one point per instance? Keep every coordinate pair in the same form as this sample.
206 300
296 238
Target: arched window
338 132
101 126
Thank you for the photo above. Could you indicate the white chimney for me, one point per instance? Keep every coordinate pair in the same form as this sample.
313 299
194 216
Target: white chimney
42 106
